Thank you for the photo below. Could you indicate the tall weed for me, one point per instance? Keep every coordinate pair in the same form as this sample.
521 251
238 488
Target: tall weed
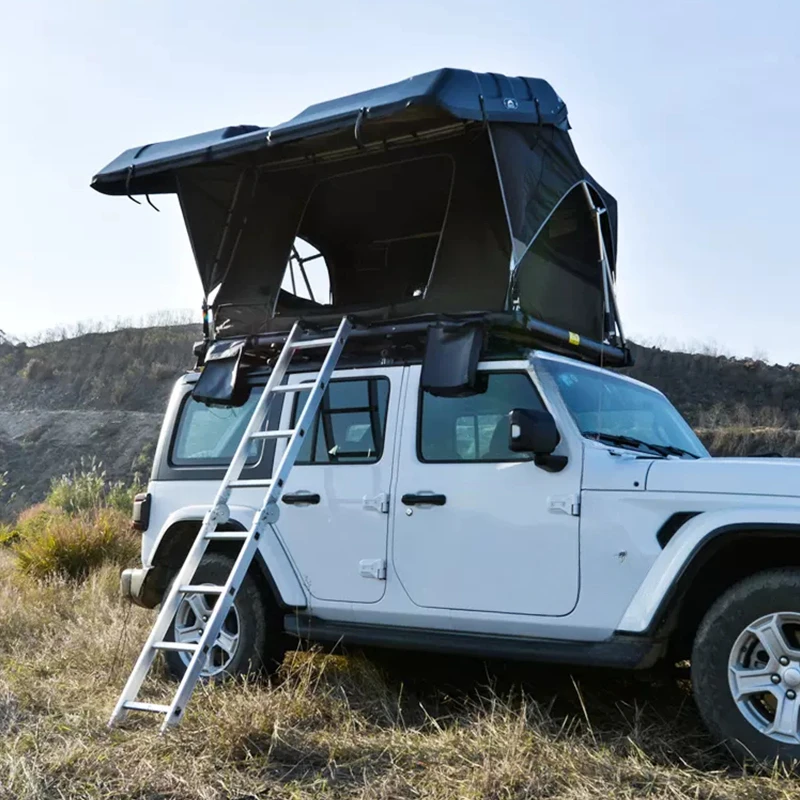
87 488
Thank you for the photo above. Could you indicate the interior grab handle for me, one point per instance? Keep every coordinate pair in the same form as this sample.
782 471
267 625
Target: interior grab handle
423 499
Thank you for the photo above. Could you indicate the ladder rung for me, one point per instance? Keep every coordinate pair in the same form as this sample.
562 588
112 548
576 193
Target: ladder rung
293 387
134 705
272 434
181 647
308 344
201 588
248 482
227 536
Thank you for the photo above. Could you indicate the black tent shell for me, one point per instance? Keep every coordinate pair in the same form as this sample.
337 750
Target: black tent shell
451 193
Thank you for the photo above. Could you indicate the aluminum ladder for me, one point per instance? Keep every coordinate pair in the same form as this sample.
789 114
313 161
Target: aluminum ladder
218 513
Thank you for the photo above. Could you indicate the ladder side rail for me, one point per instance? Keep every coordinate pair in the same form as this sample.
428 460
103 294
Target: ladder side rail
303 424
211 631
264 517
170 604
260 414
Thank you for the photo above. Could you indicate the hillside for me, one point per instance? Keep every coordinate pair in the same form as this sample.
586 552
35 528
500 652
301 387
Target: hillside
102 395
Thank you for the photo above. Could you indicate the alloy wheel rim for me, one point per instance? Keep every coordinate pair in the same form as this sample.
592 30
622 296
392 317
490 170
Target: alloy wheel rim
764 675
190 621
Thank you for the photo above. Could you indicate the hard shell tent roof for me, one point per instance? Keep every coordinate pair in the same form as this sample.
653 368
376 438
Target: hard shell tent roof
449 193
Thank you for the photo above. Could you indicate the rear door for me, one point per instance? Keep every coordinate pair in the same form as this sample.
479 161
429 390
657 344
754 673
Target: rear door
334 519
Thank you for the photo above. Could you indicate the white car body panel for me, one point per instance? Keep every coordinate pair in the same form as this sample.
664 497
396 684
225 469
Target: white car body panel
272 550
496 545
526 570
669 564
765 477
328 541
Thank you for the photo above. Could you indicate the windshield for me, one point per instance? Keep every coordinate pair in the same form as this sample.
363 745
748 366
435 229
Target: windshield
606 407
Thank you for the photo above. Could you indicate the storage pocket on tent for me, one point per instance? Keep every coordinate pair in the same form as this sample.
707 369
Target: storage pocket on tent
450 364
222 381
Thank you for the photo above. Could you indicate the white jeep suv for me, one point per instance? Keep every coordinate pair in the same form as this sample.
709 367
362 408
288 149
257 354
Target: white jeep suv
560 513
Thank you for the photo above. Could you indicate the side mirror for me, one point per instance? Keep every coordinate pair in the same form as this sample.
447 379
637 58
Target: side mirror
533 431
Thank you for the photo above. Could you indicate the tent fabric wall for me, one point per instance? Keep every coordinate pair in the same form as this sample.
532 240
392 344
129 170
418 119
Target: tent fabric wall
467 270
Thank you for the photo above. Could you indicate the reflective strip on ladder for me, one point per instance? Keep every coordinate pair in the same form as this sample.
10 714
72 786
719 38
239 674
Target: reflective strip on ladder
227 592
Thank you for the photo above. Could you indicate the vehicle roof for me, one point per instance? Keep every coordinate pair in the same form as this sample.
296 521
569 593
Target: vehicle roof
505 363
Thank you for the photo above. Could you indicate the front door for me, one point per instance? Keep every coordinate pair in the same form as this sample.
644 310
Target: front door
333 521
499 533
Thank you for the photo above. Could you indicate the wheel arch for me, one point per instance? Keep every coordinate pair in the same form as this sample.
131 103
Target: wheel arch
277 578
724 557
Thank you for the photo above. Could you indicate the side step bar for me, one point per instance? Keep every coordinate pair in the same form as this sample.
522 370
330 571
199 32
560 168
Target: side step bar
619 652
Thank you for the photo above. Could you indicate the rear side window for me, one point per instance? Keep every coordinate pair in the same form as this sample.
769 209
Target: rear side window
475 428
208 436
351 424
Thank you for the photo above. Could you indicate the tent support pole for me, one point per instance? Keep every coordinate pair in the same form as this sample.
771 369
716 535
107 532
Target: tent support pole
611 322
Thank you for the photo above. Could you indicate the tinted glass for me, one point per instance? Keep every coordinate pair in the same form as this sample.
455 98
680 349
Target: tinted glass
351 425
209 435
475 428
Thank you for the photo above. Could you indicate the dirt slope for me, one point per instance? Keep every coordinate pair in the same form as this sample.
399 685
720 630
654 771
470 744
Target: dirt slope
103 396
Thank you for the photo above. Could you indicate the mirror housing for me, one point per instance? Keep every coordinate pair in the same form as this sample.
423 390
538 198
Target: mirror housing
534 431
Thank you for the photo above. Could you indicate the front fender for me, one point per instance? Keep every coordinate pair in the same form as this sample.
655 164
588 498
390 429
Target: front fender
280 568
696 534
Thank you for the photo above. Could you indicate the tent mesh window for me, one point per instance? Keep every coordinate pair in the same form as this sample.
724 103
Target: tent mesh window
378 230
558 279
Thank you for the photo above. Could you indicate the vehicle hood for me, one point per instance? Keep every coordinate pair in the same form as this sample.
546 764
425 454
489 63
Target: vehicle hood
777 477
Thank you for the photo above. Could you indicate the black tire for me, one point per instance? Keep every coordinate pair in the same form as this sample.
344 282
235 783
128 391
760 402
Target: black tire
757 596
261 641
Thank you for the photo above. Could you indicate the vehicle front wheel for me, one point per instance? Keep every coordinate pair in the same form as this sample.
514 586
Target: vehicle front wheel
250 639
746 667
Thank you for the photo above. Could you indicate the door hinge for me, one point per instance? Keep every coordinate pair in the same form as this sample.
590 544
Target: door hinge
372 568
565 504
379 503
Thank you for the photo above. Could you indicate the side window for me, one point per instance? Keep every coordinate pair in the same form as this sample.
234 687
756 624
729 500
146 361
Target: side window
475 428
209 436
351 424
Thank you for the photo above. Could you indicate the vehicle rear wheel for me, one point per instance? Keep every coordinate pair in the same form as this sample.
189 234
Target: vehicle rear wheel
250 639
746 667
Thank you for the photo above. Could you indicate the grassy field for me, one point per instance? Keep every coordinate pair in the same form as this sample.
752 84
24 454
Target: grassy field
330 726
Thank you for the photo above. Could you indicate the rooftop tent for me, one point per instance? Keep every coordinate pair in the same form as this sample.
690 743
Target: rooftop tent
451 193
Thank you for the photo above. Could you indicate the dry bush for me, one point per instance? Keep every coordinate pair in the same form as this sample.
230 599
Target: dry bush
52 543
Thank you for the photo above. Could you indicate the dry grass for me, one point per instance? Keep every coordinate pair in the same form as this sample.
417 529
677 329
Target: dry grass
49 542
333 727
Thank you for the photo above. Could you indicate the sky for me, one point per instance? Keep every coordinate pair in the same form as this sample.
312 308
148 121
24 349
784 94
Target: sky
688 112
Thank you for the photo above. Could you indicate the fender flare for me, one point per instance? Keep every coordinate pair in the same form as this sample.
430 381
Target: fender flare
689 548
271 556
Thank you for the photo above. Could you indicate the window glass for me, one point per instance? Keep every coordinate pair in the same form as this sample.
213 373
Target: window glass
603 404
351 425
210 435
475 428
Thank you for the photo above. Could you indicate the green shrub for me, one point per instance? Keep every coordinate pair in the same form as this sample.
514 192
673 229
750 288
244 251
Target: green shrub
87 488
51 542
8 535
120 495
82 490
